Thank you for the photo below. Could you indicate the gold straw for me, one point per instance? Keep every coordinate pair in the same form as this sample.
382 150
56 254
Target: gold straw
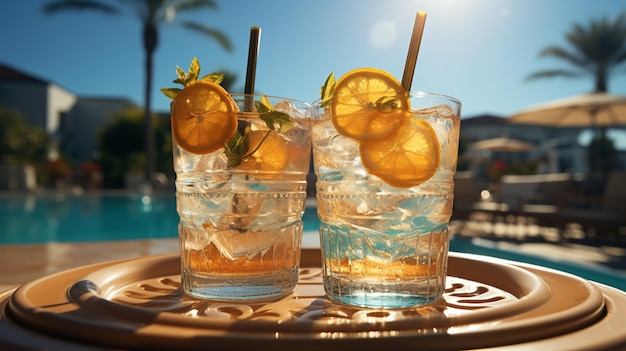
414 48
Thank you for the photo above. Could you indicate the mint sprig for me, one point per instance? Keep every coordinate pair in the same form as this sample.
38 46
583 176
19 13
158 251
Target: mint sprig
275 120
237 147
190 77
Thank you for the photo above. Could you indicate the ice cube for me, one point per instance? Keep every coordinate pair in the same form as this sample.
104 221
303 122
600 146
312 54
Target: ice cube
216 160
289 108
185 162
234 244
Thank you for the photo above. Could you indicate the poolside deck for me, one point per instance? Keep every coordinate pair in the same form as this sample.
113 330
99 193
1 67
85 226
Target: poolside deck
22 263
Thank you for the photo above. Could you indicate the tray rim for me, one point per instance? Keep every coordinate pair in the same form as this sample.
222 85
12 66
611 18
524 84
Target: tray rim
288 338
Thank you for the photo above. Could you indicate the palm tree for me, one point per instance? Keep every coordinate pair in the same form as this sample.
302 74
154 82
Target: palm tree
597 50
151 13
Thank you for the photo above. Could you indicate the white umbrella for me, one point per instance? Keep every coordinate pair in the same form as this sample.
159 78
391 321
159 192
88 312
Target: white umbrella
594 110
586 110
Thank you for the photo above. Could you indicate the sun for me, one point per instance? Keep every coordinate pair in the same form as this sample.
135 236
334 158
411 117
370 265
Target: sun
383 34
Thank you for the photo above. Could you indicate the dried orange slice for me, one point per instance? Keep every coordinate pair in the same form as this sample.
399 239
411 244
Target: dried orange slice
203 117
268 153
368 104
407 159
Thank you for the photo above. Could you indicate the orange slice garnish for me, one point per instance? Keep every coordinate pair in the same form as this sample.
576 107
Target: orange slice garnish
268 154
362 104
408 158
203 117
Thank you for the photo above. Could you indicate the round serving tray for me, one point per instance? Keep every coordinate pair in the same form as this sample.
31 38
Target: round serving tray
139 304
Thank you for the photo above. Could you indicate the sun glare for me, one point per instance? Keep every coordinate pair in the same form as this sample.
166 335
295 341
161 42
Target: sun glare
383 34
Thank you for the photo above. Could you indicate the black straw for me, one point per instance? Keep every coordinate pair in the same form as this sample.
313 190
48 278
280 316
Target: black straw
253 51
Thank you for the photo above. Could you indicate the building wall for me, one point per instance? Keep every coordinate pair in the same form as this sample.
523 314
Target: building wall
28 98
73 123
83 123
59 102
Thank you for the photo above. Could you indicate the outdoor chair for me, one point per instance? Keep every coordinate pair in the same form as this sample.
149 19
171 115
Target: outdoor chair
466 195
606 217
522 192
539 197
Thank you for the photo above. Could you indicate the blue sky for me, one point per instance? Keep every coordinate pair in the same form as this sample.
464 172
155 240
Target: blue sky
479 51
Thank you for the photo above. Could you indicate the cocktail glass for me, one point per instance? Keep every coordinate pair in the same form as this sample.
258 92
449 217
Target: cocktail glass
385 245
240 224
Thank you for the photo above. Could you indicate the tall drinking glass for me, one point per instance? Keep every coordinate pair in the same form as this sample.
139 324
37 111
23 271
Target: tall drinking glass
241 205
384 242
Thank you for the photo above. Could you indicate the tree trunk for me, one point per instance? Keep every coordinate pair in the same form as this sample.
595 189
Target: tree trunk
601 83
150 40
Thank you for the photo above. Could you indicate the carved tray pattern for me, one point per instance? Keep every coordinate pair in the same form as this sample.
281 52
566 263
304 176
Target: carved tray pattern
307 306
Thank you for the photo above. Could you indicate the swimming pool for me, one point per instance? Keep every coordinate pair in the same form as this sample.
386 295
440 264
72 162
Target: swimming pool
36 219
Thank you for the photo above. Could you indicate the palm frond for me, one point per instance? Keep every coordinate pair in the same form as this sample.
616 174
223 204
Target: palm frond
563 54
216 34
554 73
194 4
79 5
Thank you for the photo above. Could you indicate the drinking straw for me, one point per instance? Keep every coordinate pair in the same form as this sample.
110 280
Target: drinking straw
414 48
253 51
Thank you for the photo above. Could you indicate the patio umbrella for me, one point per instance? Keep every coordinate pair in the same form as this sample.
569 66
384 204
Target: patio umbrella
593 110
586 110
501 144
479 152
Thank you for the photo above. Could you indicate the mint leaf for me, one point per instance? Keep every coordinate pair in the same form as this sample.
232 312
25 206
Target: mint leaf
264 105
328 89
236 148
387 103
194 71
182 77
170 92
216 78
277 121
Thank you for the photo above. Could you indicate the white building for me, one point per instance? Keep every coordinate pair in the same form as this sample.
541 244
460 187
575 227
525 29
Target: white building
73 122
40 102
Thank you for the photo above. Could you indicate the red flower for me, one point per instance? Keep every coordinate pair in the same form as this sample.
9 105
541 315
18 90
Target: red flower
59 169
90 167
497 170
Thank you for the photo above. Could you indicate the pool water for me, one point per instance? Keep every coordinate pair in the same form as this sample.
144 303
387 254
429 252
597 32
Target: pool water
33 219
40 219
600 274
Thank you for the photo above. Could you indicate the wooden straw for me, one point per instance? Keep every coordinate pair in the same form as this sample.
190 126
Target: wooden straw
414 48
